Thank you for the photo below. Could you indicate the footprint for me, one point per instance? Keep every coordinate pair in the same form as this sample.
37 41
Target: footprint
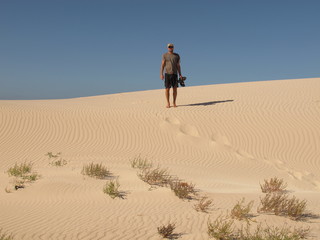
297 175
172 120
189 130
244 154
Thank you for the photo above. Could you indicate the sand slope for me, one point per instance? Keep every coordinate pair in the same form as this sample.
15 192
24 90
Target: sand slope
224 138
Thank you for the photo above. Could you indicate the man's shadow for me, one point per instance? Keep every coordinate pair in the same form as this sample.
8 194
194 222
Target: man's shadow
206 103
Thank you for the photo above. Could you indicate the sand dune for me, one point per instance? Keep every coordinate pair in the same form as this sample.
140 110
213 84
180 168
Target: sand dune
224 138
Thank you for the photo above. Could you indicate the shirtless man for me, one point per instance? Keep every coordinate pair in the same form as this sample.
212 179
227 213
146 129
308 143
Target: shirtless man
171 61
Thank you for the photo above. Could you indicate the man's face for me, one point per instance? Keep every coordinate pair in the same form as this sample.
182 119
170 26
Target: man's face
170 48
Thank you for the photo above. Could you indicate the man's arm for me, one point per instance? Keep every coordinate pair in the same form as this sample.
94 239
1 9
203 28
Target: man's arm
179 69
161 69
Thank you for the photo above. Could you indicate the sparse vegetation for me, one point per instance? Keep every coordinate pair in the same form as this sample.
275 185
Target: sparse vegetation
22 170
112 188
273 185
182 189
141 163
272 233
51 155
241 210
204 204
166 231
55 160
23 173
282 204
5 236
95 170
155 176
221 228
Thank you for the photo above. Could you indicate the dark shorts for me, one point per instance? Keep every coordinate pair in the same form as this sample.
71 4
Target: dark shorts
171 80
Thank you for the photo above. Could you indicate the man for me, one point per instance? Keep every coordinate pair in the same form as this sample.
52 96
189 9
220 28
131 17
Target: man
171 61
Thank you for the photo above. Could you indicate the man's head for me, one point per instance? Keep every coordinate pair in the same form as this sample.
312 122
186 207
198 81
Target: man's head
170 47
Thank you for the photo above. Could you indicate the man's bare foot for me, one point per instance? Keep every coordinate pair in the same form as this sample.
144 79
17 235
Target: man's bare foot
168 106
174 105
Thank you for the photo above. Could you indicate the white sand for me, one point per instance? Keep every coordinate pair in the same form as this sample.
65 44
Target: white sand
225 138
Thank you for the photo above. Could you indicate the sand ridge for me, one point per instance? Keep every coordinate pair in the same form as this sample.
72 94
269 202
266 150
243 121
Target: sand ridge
225 138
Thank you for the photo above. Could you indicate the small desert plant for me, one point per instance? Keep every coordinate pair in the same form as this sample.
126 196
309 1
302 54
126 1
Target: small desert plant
112 188
141 163
5 236
221 228
31 177
204 204
155 176
54 161
166 231
182 189
273 185
22 173
281 204
59 163
286 233
272 233
241 211
21 170
95 170
51 155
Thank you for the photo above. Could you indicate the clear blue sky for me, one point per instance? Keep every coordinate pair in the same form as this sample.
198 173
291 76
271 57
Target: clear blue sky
64 48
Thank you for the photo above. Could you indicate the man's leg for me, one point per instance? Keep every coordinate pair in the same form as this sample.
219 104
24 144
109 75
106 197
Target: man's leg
167 97
175 92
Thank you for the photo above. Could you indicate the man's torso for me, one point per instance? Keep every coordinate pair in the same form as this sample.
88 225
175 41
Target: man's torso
171 61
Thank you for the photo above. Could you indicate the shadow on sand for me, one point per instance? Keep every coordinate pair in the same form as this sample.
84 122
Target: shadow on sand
206 103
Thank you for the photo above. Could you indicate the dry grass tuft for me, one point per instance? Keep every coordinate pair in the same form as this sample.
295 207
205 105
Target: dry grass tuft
141 163
5 236
54 161
281 204
272 233
112 189
273 185
155 176
182 189
204 205
95 170
166 231
23 173
22 170
241 211
221 228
